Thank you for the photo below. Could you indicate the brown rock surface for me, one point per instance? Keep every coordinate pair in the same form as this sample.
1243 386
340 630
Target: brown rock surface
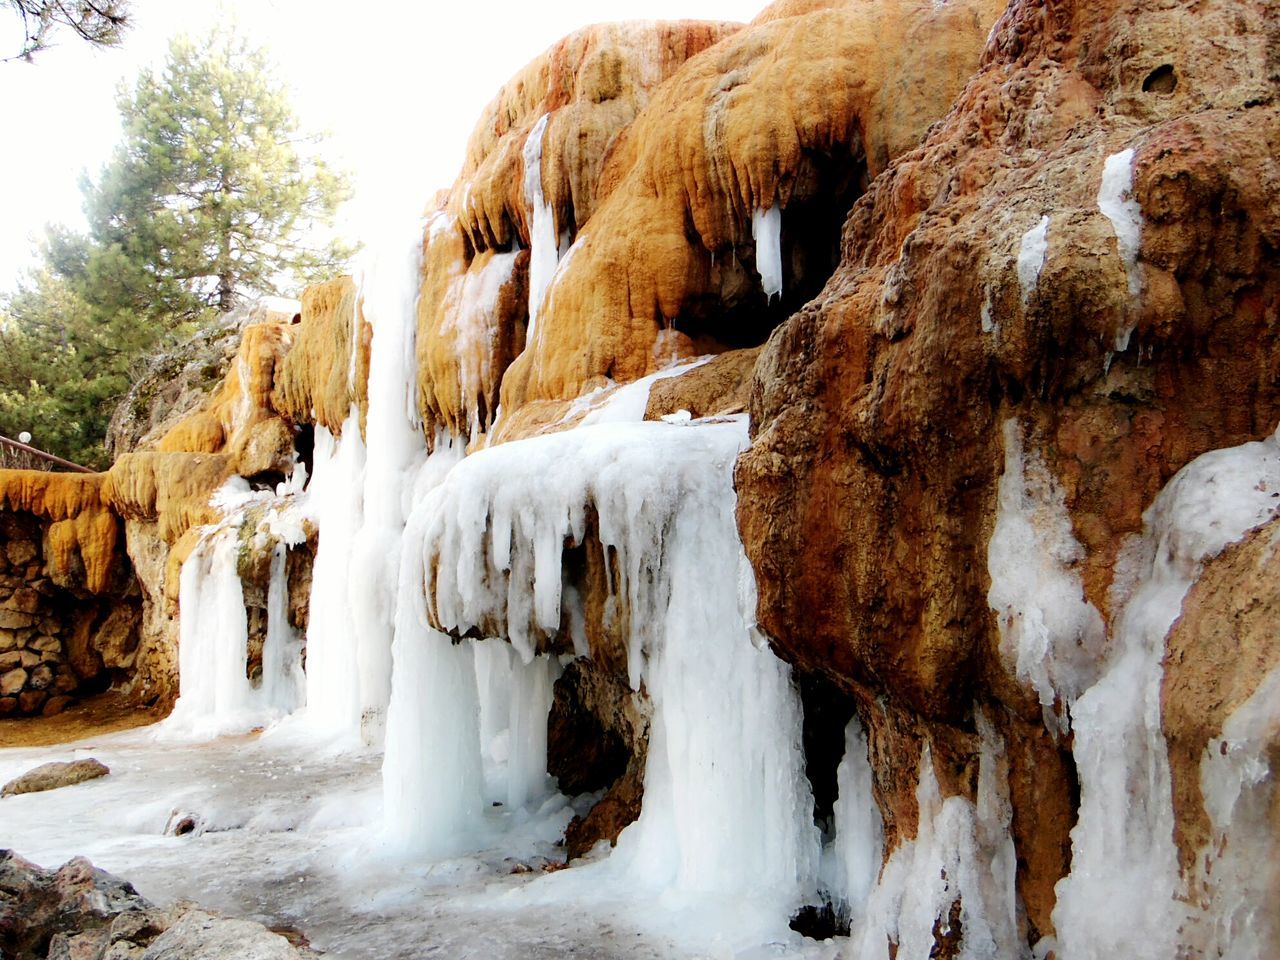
877 409
1217 656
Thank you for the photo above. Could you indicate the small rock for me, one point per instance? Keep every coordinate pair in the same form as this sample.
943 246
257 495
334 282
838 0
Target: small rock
65 683
15 619
55 705
50 776
8 705
203 936
24 600
7 640
21 551
13 681
47 644
31 701
41 677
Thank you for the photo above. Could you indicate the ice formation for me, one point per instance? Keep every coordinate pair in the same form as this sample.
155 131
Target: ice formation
544 245
1031 258
1050 635
962 860
766 228
1115 200
1122 896
851 862
1239 867
217 696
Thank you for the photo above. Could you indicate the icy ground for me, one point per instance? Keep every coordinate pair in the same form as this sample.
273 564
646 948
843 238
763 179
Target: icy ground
283 837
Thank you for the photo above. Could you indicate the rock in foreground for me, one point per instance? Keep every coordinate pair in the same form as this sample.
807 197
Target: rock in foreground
83 912
51 776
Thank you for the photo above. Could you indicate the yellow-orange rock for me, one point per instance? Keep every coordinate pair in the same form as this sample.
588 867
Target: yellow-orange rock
327 368
792 112
473 307
239 419
82 530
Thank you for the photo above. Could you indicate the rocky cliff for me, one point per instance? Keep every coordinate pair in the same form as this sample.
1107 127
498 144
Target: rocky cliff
997 288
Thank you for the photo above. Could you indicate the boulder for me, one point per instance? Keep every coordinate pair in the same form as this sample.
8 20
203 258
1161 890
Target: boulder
51 776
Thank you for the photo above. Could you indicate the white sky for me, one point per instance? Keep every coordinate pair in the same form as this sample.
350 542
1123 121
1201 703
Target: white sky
397 84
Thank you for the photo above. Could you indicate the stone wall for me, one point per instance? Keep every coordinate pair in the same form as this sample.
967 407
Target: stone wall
57 641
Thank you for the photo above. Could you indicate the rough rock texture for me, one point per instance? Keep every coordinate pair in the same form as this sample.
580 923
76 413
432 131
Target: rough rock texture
327 368
63 633
474 308
597 739
51 776
79 912
793 111
178 383
877 410
1218 655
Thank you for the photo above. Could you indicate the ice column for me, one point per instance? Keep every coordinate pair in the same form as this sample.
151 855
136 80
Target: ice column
432 775
395 447
851 864
336 505
216 695
283 682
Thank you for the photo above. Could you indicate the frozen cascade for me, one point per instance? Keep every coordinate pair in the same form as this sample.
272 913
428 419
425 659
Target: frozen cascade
544 252
851 862
727 807
1031 258
395 448
766 228
336 505
283 681
432 773
529 705
1121 897
1240 870
217 696
962 851
1050 636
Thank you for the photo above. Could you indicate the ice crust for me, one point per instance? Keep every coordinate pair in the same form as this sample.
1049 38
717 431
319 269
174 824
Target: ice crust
1051 637
1116 202
1031 258
544 244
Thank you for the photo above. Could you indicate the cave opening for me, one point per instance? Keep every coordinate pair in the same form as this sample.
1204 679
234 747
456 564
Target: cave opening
735 312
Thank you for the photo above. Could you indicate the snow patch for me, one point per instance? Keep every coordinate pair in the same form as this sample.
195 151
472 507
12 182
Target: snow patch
1032 253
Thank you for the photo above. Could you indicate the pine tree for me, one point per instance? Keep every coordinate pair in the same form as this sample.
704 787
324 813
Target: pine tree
211 198
213 193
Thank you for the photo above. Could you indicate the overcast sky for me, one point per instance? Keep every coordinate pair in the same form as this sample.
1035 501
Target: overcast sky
398 85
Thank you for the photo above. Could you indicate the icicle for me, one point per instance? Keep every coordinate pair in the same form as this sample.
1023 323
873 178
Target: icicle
395 447
852 861
1116 202
216 695
766 228
530 703
544 251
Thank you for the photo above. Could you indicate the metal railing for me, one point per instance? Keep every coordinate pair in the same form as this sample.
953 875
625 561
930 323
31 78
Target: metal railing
19 456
